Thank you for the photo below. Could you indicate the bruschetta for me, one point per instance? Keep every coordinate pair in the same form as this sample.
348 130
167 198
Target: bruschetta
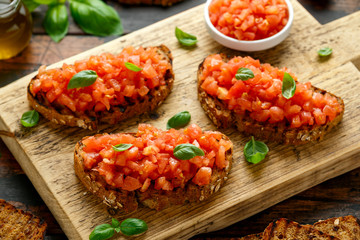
257 107
146 171
117 94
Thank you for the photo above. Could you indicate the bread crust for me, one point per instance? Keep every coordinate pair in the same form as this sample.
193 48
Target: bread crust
280 132
90 120
122 201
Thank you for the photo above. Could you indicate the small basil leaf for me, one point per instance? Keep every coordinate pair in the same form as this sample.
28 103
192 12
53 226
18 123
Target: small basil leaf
56 22
115 223
133 226
30 118
187 151
31 5
179 120
122 147
288 86
47 2
255 151
101 232
95 17
82 79
117 229
244 74
132 67
324 52
185 38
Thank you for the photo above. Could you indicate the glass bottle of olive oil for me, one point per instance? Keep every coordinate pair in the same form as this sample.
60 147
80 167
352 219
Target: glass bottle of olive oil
15 28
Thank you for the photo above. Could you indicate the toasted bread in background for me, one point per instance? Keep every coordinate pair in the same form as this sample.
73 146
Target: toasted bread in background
257 236
347 228
121 201
280 132
63 115
17 224
150 2
286 229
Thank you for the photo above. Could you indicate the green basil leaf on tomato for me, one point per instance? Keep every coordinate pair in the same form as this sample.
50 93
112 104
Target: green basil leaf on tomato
288 86
187 151
82 79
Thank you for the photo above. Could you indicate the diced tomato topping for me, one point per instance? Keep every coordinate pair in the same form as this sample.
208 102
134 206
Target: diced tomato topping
150 162
114 80
250 19
261 97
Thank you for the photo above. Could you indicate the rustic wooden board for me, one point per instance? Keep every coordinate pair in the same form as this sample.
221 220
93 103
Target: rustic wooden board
45 152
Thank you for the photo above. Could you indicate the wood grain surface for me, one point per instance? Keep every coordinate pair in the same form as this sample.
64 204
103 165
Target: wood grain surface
45 152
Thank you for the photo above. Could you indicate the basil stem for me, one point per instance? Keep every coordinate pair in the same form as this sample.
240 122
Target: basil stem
324 52
82 79
184 38
30 118
121 147
187 151
180 119
56 21
255 151
288 86
244 74
132 67
133 226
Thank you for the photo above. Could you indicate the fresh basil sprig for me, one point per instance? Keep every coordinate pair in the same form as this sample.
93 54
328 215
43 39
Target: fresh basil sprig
56 21
255 151
187 151
132 67
105 231
324 52
244 74
82 79
179 120
288 86
128 227
122 147
30 118
93 16
133 226
184 38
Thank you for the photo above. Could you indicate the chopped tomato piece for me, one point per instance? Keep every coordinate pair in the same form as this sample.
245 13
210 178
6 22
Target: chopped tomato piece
203 176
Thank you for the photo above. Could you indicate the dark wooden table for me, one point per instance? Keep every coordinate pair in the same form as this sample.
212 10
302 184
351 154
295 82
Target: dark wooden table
336 197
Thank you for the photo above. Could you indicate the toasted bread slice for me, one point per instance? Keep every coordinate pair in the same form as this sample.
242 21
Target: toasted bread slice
257 236
222 117
347 227
286 229
62 115
17 224
120 200
150 2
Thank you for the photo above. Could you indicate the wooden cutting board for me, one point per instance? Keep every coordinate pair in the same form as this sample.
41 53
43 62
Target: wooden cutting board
45 152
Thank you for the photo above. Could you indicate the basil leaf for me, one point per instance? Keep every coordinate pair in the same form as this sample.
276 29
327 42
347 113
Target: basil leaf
115 223
133 226
122 147
103 231
56 22
82 79
187 151
324 52
255 151
30 118
185 38
288 86
47 2
244 74
31 5
95 17
179 120
132 67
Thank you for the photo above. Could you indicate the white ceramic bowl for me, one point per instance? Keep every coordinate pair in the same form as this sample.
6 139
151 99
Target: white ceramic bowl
252 45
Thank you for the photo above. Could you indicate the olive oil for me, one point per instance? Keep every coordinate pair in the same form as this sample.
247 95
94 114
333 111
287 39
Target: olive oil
15 28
